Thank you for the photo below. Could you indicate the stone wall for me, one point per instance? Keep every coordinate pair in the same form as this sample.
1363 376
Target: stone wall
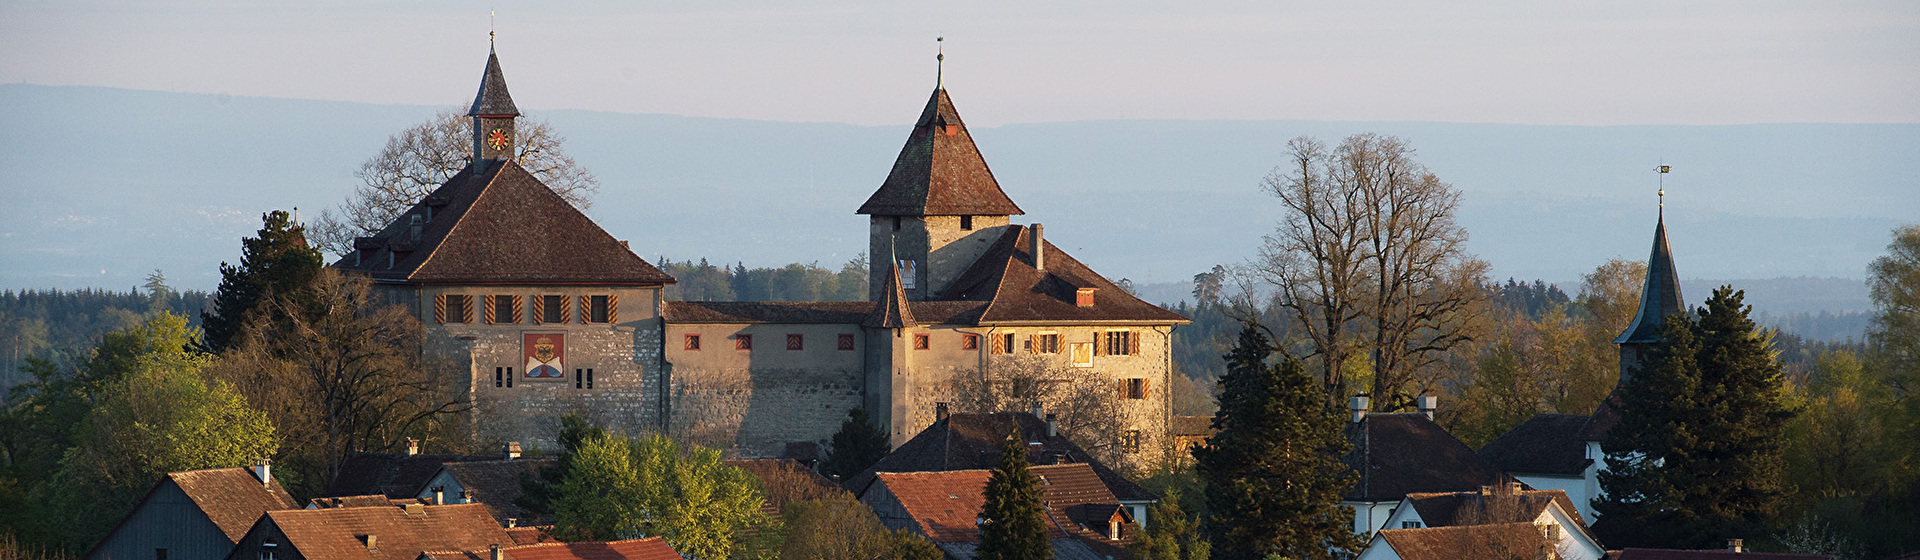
756 401
940 248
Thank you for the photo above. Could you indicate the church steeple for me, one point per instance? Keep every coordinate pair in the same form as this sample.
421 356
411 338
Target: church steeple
1659 299
493 115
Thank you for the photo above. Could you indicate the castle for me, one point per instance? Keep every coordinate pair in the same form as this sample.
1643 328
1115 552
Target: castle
540 321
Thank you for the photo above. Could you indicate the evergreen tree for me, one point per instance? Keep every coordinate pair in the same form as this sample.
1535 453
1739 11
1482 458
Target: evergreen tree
1697 456
279 261
856 446
1014 526
1173 535
1272 469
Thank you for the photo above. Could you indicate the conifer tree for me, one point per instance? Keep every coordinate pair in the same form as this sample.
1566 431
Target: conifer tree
1697 455
1013 523
858 445
279 261
1272 469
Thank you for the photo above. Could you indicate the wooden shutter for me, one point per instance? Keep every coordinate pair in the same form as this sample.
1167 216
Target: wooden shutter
440 308
466 309
565 310
1134 338
1098 345
1033 344
539 310
1122 386
998 344
613 308
586 308
486 309
516 310
1146 387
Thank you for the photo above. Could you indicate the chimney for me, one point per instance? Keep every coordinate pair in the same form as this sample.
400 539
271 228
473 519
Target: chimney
1053 425
263 471
1039 249
1037 413
513 450
466 496
1358 405
513 522
413 447
1735 546
1427 403
939 411
415 508
439 496
497 553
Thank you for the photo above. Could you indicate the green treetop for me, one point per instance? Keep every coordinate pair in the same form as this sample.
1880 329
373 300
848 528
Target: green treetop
627 488
279 261
1013 521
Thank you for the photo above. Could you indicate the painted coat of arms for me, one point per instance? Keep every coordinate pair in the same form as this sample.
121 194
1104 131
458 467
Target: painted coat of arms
546 355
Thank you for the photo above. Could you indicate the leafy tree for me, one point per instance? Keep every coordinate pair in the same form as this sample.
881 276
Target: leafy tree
1013 521
1503 394
1697 455
276 263
837 527
161 415
1173 535
626 488
1272 469
537 489
424 156
858 445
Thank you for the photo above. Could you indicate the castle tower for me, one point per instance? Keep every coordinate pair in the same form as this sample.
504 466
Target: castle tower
939 210
1658 300
493 115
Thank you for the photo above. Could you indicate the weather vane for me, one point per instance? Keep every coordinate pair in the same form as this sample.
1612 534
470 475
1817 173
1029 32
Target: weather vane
1663 170
939 62
490 28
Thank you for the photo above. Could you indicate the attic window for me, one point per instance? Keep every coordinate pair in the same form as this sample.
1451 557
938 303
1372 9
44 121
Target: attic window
896 223
1083 297
950 130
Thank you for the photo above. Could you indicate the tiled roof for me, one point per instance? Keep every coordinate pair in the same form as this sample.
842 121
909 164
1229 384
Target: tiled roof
1017 292
395 475
973 441
1402 453
892 311
1674 554
1544 444
635 549
232 498
499 225
1444 509
813 312
493 100
947 504
1472 541
940 171
370 500
496 484
1661 295
333 534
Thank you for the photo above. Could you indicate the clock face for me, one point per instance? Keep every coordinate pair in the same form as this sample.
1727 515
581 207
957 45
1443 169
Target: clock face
497 139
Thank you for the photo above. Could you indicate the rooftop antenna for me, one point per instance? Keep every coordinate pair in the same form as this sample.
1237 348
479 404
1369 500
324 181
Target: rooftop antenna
1663 170
939 63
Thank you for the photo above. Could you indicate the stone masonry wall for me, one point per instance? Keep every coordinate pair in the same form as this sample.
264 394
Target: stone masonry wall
756 401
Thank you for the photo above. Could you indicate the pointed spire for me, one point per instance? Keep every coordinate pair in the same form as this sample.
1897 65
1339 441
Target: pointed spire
493 100
1661 295
940 63
892 312
940 171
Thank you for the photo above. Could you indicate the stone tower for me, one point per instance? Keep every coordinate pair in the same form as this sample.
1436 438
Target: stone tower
1658 300
493 115
939 209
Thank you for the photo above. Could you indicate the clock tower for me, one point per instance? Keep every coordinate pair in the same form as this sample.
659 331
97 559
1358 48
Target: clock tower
493 113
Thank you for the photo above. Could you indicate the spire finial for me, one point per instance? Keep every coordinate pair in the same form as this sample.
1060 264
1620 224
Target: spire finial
939 62
490 29
1663 170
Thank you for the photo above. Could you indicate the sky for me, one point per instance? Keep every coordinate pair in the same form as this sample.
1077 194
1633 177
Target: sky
1522 62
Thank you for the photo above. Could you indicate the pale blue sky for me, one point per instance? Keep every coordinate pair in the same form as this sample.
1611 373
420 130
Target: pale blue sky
1599 63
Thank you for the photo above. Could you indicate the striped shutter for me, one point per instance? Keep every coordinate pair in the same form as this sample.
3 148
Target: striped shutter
1033 344
613 308
516 310
565 310
1134 337
1099 346
486 309
586 308
440 308
466 309
539 310
997 349
1146 388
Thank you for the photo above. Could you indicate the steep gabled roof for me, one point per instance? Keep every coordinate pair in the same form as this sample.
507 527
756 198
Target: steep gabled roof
1445 509
1544 444
973 441
1403 453
1661 295
332 534
633 549
496 484
1472 541
496 223
1017 292
940 171
394 475
946 505
232 497
493 100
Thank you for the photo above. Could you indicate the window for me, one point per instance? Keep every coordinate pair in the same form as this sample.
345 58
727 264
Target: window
742 342
1130 441
896 223
920 342
909 274
499 377
505 309
796 342
589 378
1081 354
969 342
846 342
579 379
453 308
1133 389
599 309
1121 343
1409 524
509 377
1007 346
159 554
966 222
552 309
693 342
1044 343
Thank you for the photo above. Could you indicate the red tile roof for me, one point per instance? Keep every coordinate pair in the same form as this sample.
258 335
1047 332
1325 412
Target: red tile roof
1515 540
940 171
232 497
335 534
1673 554
946 505
634 549
1017 292
972 441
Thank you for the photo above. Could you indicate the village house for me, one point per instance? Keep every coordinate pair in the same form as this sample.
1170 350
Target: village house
633 549
1560 524
1084 520
495 484
1519 540
1397 454
369 533
194 515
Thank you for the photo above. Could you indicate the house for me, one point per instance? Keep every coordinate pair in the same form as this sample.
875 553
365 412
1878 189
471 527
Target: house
1562 451
973 441
194 515
1085 521
539 322
495 484
1396 454
1500 541
1565 531
394 475
369 533
1736 550
633 549
1189 432
369 500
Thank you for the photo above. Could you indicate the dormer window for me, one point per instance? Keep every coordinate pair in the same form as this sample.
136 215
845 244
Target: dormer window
1083 297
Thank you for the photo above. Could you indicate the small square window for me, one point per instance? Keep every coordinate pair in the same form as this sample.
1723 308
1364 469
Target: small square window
966 222
459 309
1130 441
598 309
796 342
742 342
920 342
693 342
969 342
846 342
1134 389
505 310
553 309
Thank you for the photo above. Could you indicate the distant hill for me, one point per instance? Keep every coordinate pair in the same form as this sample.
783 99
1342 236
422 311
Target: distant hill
104 185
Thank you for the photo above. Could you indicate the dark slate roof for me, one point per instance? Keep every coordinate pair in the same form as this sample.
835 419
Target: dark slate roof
1016 292
395 475
811 312
940 171
1660 297
493 100
496 483
1544 444
1402 453
499 224
892 311
973 441
1716 554
331 534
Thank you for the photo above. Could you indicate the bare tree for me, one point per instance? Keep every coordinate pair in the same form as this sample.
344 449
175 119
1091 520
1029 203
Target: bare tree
422 157
1369 259
1087 407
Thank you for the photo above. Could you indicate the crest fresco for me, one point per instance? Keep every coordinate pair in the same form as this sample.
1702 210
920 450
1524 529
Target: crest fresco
546 355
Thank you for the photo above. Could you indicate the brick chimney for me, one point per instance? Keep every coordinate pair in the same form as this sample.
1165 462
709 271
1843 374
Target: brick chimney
497 553
1039 248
